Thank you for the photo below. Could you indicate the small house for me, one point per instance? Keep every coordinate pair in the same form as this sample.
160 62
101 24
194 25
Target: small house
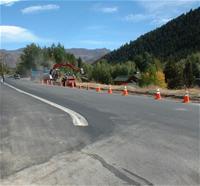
124 80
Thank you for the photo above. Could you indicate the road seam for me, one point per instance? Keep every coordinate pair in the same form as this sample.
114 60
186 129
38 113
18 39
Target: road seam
137 181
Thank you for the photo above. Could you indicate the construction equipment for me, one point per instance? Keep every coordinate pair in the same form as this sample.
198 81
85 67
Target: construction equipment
67 78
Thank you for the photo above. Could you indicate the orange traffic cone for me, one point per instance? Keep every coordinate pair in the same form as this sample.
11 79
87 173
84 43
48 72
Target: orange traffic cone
157 94
125 92
98 89
109 90
186 98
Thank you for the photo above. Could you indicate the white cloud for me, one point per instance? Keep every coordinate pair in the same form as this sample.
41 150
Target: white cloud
153 19
136 17
108 9
160 21
166 5
39 8
158 12
8 2
15 34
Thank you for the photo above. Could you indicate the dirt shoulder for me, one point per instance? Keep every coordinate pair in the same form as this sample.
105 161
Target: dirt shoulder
194 93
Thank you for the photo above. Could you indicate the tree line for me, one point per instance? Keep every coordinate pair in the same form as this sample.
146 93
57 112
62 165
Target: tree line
35 57
145 67
172 74
183 73
148 69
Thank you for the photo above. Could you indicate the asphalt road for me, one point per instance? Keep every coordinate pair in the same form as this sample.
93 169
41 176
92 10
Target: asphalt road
132 140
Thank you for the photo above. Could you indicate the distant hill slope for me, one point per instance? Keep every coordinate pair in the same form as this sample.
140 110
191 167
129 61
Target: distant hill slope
87 55
11 57
176 39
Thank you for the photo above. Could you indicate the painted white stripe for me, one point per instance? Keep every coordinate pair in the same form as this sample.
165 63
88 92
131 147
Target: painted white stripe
77 119
181 109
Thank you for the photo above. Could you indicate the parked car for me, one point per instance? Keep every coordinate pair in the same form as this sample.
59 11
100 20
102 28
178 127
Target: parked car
16 76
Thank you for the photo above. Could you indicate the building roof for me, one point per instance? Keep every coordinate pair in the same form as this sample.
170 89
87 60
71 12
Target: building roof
125 78
122 78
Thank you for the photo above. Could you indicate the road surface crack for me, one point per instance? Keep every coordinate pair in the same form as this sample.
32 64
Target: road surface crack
139 177
120 174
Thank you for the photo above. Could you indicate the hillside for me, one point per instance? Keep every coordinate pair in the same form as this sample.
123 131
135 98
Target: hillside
11 57
175 40
87 55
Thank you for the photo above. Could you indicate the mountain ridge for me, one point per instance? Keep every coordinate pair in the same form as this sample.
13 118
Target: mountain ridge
87 55
176 39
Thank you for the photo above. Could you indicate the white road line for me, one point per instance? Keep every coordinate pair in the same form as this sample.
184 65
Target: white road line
181 109
77 119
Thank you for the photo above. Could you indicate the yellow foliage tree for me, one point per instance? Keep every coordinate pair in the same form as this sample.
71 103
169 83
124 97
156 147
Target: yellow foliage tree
160 79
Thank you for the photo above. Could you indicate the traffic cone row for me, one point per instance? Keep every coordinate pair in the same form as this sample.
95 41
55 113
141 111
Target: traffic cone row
186 98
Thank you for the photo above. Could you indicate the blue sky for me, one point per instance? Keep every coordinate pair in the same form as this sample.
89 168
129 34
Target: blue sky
84 24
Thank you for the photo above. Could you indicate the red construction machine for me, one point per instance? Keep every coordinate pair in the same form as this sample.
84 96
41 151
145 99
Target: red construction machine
67 78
